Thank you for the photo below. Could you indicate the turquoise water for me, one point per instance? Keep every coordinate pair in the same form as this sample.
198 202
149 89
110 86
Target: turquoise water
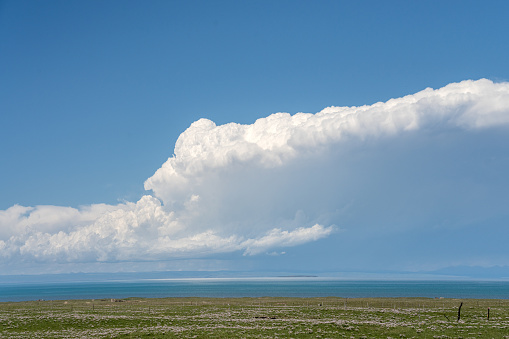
280 287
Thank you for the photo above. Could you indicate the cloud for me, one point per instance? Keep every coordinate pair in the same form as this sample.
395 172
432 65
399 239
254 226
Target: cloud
277 237
275 140
280 182
132 232
20 219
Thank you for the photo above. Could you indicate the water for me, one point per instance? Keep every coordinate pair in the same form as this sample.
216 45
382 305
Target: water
276 287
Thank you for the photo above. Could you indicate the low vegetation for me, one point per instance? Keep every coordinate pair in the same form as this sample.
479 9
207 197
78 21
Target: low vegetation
256 318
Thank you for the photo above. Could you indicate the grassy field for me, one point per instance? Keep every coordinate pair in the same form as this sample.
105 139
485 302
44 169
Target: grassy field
255 318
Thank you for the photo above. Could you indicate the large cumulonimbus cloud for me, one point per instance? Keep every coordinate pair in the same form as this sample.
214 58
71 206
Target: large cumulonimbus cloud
281 137
250 189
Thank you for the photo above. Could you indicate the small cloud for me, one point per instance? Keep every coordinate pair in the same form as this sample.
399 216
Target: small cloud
275 254
280 238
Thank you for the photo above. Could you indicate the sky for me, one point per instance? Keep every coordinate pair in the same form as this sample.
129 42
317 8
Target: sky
324 137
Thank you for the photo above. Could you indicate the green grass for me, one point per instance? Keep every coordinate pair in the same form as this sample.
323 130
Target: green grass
255 318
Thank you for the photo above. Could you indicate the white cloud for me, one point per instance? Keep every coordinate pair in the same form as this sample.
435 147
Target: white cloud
277 237
248 188
20 219
273 141
131 232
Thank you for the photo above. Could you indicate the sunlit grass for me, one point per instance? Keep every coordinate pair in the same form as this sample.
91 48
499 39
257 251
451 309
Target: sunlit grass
256 318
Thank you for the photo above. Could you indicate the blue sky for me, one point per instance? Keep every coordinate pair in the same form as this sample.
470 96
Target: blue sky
94 96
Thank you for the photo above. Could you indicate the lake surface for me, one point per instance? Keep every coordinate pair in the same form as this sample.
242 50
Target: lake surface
250 287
